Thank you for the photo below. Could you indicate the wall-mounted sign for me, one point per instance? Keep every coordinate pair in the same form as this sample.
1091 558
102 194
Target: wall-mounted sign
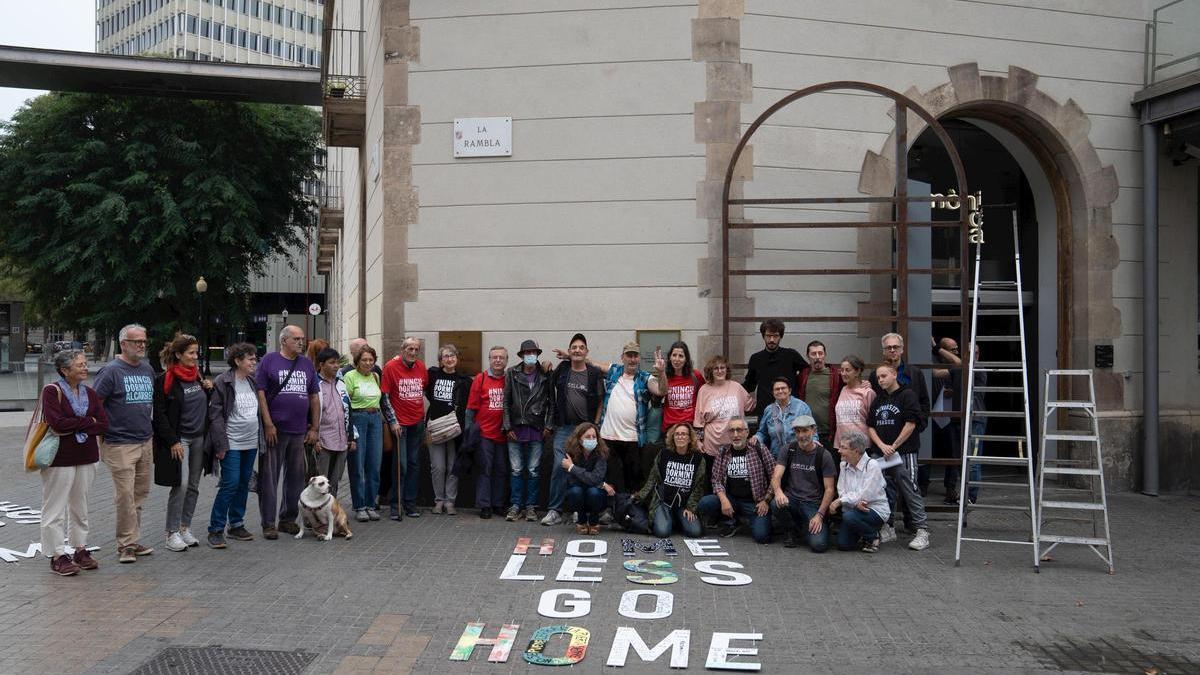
483 137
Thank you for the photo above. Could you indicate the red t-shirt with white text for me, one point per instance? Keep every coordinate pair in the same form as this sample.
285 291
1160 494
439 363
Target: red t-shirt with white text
487 400
680 403
405 389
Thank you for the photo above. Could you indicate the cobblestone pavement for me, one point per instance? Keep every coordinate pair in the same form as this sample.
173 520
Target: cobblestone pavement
397 597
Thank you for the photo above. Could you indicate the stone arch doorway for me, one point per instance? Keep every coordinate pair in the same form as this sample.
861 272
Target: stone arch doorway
1073 195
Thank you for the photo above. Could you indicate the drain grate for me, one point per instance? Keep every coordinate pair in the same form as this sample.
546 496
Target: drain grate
224 661
1108 656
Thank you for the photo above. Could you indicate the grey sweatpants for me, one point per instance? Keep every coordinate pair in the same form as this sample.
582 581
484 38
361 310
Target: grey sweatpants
181 502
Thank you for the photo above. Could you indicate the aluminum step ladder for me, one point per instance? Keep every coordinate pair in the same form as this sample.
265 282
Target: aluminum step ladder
1092 500
1015 380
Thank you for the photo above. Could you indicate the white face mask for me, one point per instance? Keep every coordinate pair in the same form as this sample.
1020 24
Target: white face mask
530 359
589 444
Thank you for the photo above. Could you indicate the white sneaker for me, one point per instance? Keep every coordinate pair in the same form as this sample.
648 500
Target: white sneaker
575 518
176 542
188 538
361 516
606 517
887 533
921 541
552 517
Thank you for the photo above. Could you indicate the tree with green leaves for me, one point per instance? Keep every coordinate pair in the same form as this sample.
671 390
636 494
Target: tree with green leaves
112 207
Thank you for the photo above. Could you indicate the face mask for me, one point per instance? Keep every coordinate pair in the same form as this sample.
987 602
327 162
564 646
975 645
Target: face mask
530 359
589 444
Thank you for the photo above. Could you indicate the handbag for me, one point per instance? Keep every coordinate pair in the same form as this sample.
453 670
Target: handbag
444 428
41 442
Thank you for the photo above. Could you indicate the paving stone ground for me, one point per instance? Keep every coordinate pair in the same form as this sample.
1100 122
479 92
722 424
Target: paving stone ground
396 598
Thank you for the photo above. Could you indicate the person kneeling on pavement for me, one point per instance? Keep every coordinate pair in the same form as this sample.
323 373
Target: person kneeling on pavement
676 482
861 490
585 462
803 484
741 477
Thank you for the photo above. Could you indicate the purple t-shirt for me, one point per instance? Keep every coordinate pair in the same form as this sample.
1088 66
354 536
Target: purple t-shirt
289 407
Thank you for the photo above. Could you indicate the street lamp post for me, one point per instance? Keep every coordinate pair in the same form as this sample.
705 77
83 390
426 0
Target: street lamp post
202 288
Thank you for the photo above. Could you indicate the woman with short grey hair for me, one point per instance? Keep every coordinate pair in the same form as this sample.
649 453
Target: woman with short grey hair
861 490
76 414
234 429
447 391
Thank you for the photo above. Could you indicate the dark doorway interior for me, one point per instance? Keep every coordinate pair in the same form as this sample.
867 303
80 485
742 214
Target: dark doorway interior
990 168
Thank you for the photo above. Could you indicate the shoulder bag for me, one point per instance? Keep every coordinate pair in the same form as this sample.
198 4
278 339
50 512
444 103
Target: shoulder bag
41 442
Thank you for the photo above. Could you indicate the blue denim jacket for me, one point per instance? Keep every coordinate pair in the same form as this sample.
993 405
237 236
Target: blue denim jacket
775 426
641 395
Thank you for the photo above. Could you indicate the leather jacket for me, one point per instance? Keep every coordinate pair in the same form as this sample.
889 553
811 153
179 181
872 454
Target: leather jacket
525 405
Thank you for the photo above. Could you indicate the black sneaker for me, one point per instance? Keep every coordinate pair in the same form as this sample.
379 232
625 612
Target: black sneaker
792 540
412 512
216 540
396 515
485 513
730 529
240 533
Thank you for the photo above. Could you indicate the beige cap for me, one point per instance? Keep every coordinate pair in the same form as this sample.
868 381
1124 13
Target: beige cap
632 346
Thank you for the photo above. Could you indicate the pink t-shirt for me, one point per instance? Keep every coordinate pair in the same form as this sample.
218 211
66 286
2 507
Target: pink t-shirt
716 405
852 407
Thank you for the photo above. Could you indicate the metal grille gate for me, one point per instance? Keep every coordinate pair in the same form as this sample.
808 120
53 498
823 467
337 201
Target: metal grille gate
899 224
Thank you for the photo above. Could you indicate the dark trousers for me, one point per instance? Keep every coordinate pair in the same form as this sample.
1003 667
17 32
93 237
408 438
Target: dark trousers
857 525
624 466
491 473
285 460
589 501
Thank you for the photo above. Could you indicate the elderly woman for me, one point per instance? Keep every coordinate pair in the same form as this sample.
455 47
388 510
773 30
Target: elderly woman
335 434
366 416
234 427
75 414
676 483
447 392
585 463
180 423
861 490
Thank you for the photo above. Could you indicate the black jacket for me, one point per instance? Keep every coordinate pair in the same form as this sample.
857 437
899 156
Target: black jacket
168 408
595 392
525 405
762 370
916 382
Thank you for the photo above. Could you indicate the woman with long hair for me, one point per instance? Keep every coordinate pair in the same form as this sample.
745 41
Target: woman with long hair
585 462
677 382
180 423
676 483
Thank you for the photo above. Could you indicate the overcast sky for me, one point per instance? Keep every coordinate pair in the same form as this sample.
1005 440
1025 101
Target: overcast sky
52 24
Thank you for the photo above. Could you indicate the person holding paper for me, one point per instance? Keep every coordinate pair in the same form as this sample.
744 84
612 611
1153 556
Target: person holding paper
892 428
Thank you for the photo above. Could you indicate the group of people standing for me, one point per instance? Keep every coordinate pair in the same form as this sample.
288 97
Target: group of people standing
672 443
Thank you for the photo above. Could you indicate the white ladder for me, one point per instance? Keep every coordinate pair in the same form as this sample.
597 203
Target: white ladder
1006 369
1092 500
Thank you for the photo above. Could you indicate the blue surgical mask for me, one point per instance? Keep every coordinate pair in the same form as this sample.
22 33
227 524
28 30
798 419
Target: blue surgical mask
530 359
589 444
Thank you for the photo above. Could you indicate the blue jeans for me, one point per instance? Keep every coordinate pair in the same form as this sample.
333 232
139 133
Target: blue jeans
229 506
411 445
558 477
802 512
666 517
490 471
524 457
743 509
589 501
364 462
857 525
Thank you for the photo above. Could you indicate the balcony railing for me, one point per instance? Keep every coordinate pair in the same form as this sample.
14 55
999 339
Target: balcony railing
332 198
345 76
1173 41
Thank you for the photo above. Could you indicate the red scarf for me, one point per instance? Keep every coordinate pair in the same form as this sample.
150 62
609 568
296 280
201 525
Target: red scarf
185 373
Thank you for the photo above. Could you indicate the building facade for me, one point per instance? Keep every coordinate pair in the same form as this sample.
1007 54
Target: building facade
606 216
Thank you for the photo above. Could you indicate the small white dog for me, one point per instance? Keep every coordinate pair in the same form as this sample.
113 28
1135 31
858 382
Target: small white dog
319 509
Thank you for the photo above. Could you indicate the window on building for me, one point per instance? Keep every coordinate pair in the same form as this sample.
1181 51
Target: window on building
230 33
191 24
279 15
278 48
204 27
254 7
241 38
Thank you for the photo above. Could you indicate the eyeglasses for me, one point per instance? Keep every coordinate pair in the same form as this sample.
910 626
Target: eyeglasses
892 348
140 343
738 430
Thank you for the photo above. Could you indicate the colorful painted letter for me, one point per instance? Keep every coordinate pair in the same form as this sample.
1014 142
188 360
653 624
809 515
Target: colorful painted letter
576 649
501 644
650 572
